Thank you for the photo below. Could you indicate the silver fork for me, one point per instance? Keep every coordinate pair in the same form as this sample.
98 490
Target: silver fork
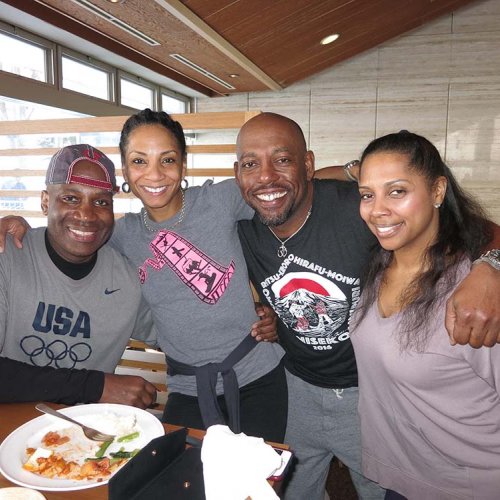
92 434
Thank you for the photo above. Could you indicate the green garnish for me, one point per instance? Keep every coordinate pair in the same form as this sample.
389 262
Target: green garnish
102 449
128 437
124 454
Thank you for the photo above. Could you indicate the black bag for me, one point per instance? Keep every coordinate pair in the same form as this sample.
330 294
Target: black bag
163 469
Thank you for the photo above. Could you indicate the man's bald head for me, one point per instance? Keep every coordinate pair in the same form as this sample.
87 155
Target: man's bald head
274 170
268 120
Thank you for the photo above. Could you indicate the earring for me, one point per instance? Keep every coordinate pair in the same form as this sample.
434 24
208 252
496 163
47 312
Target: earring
126 187
186 184
437 205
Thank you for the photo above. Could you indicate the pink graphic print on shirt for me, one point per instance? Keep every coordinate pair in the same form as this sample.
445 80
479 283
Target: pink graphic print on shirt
205 277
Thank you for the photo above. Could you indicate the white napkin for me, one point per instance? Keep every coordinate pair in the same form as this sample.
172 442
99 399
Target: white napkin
236 466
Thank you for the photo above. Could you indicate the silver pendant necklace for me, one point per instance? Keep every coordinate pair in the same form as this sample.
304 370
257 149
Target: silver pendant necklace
176 223
282 251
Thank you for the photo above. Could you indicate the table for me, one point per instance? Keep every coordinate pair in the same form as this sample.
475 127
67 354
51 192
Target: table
13 415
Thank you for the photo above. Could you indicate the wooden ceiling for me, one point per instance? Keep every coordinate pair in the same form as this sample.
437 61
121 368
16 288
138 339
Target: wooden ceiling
269 44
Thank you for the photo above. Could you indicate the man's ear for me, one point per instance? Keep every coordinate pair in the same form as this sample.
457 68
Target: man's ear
45 202
309 161
236 172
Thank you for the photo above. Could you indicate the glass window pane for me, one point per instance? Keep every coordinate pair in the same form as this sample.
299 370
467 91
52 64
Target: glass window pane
135 95
85 79
172 105
22 58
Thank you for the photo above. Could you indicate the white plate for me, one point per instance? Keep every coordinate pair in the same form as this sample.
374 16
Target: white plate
15 493
13 448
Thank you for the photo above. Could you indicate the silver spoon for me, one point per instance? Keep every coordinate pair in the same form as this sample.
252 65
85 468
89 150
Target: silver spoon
92 434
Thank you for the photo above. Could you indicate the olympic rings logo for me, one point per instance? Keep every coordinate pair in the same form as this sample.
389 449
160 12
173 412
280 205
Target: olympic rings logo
57 354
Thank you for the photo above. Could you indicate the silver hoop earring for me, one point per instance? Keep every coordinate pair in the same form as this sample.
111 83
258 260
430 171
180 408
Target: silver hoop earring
186 184
437 205
126 187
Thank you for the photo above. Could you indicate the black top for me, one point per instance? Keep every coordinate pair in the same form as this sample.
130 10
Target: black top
22 383
315 288
70 269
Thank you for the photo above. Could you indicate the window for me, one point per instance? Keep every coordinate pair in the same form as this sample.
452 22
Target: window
25 55
90 78
35 58
136 93
173 105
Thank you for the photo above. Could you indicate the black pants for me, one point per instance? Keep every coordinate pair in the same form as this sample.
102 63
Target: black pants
263 407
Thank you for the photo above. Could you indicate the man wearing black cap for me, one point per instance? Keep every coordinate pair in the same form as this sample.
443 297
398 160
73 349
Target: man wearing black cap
68 304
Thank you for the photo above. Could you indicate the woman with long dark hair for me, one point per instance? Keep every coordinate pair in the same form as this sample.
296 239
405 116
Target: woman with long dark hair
430 412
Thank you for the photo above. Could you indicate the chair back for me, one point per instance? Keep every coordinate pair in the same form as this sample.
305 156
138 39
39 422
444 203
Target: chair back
140 360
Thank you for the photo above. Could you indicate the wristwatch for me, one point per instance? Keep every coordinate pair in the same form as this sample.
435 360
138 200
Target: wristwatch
347 170
491 257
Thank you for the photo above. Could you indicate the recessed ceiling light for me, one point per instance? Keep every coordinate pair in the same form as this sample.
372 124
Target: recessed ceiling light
329 39
233 75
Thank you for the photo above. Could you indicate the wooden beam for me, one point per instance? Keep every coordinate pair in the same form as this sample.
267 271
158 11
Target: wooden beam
18 193
22 213
210 172
192 21
194 172
112 150
47 151
191 121
212 149
38 213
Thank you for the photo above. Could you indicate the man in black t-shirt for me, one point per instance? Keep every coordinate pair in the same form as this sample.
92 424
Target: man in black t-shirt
305 256
305 250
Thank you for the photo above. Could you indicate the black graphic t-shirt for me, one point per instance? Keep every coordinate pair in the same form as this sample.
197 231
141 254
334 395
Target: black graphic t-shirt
315 288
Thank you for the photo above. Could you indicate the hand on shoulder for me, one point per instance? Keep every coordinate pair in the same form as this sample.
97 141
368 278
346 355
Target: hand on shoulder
14 225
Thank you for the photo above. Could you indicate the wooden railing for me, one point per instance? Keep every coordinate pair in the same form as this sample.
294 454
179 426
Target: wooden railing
70 126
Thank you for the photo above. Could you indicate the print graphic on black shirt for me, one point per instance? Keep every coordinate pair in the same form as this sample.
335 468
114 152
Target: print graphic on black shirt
312 305
309 307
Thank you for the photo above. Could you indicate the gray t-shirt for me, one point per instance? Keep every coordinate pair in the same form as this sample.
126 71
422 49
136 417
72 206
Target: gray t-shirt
49 319
195 280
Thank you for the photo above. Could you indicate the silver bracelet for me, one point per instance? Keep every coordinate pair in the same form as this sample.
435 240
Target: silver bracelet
491 257
347 170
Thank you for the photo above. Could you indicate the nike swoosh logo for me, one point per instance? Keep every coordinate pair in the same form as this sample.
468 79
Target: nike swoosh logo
109 292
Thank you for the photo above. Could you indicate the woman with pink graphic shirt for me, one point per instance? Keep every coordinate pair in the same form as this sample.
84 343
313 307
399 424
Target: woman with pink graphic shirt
185 246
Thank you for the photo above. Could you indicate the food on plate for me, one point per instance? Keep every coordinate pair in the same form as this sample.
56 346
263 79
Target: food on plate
66 453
